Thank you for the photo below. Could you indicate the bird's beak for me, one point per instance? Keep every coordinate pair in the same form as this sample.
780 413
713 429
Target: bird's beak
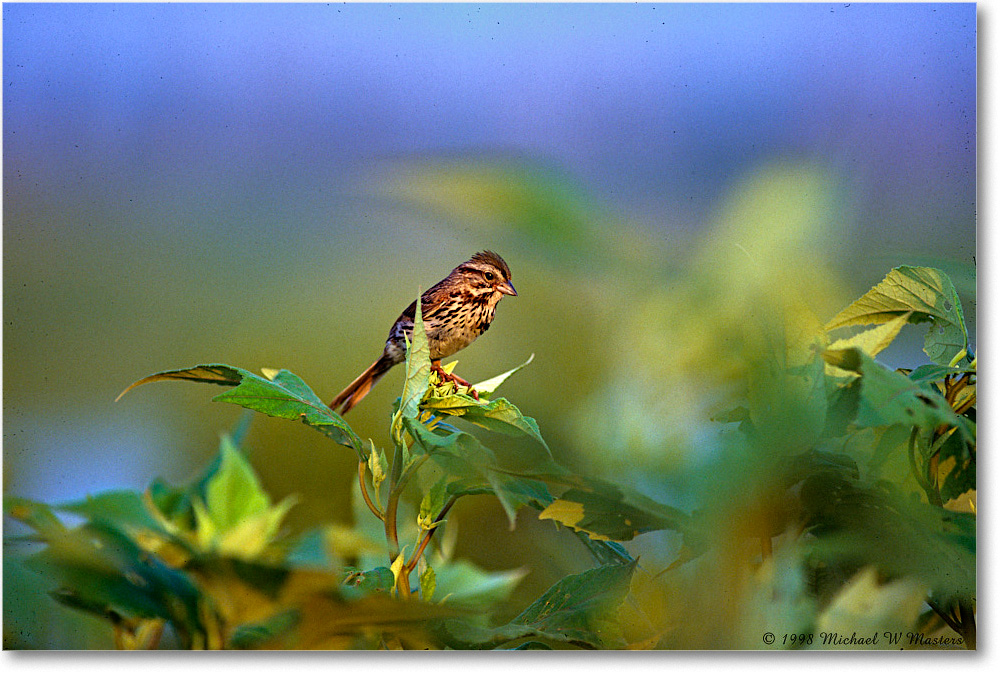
507 288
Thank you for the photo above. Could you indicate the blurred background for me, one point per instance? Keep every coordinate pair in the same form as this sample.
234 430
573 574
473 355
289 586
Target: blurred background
270 185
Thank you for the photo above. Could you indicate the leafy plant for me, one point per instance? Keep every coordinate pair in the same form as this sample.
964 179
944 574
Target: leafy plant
841 497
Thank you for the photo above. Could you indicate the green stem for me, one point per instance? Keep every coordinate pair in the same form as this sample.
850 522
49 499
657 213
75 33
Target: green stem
362 469
412 564
392 505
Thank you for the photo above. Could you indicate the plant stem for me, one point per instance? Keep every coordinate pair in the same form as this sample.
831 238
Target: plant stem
362 469
427 536
391 508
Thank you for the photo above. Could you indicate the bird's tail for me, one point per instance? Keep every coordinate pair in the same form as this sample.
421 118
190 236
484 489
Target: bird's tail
360 387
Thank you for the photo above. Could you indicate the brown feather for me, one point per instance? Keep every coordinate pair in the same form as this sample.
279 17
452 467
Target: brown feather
360 387
456 310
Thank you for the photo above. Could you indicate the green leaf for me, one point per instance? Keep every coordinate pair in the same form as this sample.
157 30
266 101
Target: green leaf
432 503
606 511
858 525
121 507
887 397
462 583
379 579
577 609
234 492
418 375
926 292
261 633
463 456
874 340
102 566
283 395
428 583
500 415
493 383
933 373
37 515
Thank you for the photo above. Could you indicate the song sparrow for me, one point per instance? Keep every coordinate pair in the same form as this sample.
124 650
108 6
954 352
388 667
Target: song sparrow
455 311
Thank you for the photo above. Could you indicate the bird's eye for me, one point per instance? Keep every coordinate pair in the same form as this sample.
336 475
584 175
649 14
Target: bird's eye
488 275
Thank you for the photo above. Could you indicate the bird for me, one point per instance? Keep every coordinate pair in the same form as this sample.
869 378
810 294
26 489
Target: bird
455 311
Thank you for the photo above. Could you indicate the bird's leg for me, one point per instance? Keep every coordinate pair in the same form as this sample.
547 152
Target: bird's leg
436 367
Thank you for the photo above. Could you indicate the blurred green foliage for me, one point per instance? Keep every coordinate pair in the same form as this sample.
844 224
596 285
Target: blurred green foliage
770 472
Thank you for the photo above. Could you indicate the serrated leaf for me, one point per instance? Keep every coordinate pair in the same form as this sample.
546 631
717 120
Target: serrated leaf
925 291
464 456
284 395
880 526
493 383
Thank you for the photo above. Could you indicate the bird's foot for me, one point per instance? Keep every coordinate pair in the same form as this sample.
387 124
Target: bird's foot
458 381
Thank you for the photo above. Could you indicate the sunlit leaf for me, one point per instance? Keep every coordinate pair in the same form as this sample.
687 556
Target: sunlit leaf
498 415
379 467
926 292
493 383
874 340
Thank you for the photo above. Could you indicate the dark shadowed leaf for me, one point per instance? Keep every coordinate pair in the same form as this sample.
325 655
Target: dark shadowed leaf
578 609
607 511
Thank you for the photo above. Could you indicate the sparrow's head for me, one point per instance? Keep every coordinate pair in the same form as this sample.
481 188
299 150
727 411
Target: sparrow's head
487 274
